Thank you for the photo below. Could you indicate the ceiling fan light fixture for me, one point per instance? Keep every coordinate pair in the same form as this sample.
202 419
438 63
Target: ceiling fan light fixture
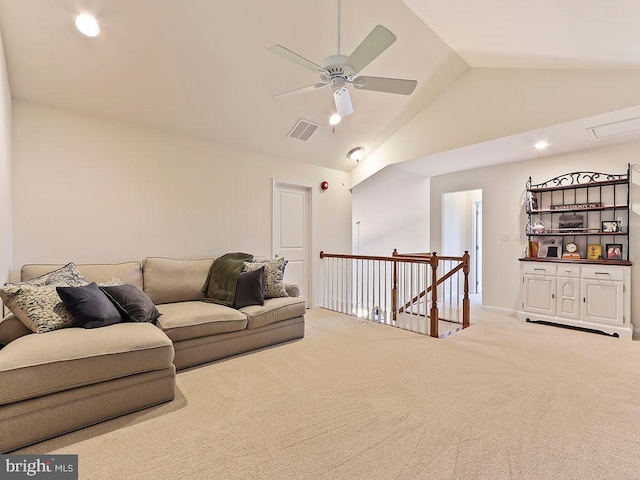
356 154
87 25
334 119
342 99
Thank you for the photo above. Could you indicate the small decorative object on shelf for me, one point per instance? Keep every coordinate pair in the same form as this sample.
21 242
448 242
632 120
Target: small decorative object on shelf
538 227
576 206
532 202
594 251
614 251
571 251
610 226
550 247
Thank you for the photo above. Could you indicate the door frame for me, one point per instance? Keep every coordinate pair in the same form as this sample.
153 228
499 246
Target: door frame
309 257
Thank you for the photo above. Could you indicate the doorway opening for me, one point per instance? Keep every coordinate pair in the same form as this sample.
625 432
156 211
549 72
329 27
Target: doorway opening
462 231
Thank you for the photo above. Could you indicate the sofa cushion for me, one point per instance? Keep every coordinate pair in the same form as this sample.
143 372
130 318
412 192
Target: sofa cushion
274 310
128 272
250 288
273 276
90 306
186 320
167 280
134 301
36 365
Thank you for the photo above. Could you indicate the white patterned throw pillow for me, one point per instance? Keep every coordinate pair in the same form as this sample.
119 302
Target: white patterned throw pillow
39 306
273 276
67 276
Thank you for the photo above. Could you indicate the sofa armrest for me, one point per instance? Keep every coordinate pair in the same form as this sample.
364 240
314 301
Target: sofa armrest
12 328
292 289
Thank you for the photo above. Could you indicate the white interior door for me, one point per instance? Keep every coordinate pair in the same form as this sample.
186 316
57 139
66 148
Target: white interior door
292 233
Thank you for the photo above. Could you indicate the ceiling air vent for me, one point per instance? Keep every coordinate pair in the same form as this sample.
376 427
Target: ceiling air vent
303 130
623 127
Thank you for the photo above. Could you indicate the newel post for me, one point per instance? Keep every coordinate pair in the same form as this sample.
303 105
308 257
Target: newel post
465 300
433 323
394 287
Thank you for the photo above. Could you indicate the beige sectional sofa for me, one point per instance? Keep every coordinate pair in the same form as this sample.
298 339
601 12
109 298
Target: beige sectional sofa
59 381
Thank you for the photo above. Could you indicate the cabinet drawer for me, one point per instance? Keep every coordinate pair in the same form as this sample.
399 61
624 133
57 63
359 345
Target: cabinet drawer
533 268
565 270
603 272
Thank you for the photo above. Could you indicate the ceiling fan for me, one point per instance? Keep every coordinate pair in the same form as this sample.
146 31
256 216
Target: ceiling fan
339 71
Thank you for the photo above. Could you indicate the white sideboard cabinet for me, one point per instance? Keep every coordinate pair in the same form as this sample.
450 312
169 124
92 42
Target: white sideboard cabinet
590 296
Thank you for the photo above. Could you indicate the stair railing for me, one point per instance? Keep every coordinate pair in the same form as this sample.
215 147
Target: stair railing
414 291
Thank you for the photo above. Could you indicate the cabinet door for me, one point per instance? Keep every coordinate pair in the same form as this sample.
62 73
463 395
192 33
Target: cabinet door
568 297
539 292
602 301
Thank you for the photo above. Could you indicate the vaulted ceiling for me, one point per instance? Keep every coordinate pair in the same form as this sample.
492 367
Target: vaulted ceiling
202 68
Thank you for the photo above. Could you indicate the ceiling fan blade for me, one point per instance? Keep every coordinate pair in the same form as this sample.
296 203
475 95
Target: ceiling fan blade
376 42
295 58
308 88
342 99
382 84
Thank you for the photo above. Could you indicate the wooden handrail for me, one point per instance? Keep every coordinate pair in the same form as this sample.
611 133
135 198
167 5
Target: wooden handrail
374 257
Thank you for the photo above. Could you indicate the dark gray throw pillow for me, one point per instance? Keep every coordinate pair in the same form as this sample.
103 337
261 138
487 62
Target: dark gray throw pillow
134 301
250 288
90 306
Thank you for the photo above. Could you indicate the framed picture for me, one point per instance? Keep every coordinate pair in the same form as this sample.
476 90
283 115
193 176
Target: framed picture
613 251
532 202
550 247
594 251
571 222
611 227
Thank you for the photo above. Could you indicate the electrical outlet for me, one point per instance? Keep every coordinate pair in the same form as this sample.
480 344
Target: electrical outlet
504 237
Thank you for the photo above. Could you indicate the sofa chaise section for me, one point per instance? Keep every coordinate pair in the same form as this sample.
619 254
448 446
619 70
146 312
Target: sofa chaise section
60 381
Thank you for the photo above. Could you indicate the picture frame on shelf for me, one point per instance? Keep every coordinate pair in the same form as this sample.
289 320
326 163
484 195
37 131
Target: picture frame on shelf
594 251
570 223
611 226
532 202
550 247
613 251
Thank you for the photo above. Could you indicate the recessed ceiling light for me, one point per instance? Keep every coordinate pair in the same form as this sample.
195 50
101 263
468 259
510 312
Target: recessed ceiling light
356 154
335 119
541 145
87 25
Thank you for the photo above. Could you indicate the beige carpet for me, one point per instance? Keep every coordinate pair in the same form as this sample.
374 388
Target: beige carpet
357 400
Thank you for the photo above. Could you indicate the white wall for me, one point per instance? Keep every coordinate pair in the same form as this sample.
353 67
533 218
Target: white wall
503 212
6 224
88 189
393 210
